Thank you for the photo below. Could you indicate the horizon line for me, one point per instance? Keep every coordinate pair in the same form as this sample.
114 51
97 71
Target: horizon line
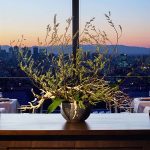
80 44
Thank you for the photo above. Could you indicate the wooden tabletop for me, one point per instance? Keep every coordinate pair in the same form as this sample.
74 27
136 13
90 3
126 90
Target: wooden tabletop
54 124
51 131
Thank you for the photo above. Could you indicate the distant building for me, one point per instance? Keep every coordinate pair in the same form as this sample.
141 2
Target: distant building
42 53
3 54
13 52
29 53
10 51
35 52
16 50
26 51
123 61
86 55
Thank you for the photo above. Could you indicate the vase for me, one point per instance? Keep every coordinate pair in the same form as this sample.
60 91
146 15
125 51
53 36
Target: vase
73 113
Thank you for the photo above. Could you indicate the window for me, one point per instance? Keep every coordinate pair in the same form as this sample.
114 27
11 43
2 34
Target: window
25 21
133 52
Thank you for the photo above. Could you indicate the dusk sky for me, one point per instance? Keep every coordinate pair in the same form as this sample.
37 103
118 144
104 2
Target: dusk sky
30 18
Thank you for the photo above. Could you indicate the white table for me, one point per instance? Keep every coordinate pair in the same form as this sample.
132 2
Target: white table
140 105
2 110
10 105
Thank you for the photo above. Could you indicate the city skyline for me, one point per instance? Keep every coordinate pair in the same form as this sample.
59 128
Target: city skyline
30 18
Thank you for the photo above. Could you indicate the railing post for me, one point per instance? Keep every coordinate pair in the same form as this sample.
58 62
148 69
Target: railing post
75 28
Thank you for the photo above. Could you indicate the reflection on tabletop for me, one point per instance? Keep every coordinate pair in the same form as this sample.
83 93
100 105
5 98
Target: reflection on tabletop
76 126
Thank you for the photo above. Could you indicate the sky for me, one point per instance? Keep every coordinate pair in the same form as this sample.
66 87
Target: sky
30 18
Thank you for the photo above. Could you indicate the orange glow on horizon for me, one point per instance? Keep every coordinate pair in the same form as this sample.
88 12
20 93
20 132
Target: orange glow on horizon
31 39
34 42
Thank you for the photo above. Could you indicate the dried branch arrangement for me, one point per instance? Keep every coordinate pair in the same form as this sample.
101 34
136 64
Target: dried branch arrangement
81 83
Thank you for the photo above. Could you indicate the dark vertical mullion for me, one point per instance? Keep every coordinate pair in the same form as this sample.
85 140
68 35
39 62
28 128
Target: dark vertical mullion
75 28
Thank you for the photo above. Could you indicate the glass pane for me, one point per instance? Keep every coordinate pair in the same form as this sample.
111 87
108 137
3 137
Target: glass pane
132 60
24 23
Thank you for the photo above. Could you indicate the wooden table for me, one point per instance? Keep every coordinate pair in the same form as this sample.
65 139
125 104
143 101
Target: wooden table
50 131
